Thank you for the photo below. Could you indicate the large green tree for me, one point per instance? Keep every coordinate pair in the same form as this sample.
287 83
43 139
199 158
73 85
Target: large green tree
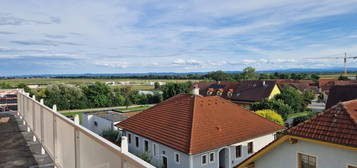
98 95
65 97
172 89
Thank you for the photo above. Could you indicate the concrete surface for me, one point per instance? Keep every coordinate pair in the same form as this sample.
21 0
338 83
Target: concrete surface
17 148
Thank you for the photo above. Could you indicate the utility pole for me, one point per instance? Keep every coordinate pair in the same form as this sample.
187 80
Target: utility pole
345 63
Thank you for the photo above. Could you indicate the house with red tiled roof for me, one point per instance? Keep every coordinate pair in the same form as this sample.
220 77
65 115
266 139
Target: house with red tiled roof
328 140
243 92
192 131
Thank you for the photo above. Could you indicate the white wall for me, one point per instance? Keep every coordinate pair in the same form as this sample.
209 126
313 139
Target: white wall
88 121
258 143
161 149
285 155
194 161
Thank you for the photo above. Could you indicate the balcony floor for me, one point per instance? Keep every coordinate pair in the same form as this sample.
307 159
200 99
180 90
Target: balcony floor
16 146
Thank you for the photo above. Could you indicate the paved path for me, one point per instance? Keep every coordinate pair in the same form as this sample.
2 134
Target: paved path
17 149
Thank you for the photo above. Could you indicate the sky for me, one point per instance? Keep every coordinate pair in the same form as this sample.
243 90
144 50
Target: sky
140 36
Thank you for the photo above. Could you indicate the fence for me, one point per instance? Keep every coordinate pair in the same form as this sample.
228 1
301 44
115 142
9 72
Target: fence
69 144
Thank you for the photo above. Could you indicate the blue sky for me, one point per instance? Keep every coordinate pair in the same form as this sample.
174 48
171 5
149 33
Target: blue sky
128 36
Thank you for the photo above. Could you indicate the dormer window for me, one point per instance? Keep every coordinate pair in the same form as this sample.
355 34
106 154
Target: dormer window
210 91
230 93
219 92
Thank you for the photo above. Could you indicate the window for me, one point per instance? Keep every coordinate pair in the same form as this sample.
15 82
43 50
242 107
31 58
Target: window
306 161
155 150
211 157
146 145
177 157
129 138
238 151
204 159
250 147
137 142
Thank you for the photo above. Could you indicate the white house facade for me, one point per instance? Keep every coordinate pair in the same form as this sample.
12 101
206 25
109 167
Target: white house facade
192 132
328 140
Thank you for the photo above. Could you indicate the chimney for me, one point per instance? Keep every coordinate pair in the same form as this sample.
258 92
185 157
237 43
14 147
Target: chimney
196 90
264 84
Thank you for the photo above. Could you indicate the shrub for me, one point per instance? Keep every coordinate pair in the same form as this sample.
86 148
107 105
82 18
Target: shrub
298 120
112 136
271 115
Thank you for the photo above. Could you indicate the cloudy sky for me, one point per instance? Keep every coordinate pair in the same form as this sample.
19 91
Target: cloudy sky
120 36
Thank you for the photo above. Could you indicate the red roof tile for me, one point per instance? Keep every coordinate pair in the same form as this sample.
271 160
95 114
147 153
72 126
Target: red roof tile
336 125
194 124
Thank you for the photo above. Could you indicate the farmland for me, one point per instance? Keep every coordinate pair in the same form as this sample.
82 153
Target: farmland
137 83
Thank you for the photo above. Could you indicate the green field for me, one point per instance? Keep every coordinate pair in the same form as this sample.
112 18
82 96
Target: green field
336 75
81 81
139 108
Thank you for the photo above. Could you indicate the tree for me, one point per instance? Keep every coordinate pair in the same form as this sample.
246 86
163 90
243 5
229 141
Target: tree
342 77
65 97
291 97
276 105
98 95
315 77
4 85
172 89
249 74
308 97
219 76
157 85
271 115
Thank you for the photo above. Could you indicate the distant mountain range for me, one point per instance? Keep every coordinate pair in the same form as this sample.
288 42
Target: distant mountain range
297 70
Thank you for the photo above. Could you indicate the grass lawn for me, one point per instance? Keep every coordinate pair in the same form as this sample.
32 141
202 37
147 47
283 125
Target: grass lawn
298 114
139 108
71 114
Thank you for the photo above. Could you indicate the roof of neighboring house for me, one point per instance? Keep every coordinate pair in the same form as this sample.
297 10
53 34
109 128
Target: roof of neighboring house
326 83
130 114
340 93
243 92
336 125
194 124
109 115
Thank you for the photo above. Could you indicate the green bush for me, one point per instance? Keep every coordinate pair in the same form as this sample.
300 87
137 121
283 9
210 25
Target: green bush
112 136
300 119
271 115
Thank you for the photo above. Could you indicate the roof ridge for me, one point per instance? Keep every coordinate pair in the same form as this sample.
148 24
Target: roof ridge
192 119
343 104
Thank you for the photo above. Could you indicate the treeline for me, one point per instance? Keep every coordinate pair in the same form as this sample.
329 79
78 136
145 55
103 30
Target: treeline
97 95
249 73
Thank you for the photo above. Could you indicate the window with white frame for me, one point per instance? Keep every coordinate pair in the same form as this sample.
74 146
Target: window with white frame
203 159
177 157
250 148
238 151
211 157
